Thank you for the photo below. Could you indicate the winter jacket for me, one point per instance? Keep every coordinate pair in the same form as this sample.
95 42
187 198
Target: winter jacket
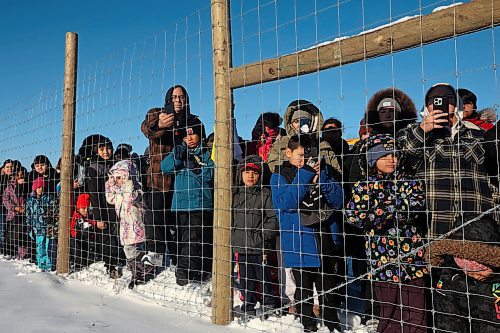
128 202
95 179
484 120
194 179
276 155
161 141
255 224
262 141
13 197
387 207
301 244
459 296
454 170
81 226
40 214
492 157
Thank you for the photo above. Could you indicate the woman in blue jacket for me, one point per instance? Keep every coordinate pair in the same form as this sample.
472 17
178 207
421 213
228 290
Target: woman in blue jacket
192 203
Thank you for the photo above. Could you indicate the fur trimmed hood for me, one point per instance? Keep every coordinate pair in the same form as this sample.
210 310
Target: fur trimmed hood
406 116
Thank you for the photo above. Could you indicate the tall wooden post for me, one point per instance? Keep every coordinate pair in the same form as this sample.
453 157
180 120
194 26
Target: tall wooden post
221 277
68 145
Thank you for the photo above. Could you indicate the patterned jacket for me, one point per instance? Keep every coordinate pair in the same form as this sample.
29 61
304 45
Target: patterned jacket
41 214
454 172
12 197
387 209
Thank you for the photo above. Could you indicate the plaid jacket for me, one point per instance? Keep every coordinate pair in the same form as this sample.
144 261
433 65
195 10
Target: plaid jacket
453 171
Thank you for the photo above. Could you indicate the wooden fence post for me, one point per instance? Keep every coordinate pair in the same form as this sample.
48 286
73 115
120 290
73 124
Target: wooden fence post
68 145
221 277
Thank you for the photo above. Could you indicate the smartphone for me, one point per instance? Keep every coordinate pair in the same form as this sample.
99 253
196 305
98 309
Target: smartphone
311 162
441 103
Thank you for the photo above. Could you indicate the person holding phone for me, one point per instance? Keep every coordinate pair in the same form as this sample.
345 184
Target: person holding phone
164 127
451 158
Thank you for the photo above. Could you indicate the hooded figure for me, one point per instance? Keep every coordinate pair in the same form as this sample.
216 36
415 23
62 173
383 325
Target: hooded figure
309 121
390 110
162 140
124 191
469 283
451 160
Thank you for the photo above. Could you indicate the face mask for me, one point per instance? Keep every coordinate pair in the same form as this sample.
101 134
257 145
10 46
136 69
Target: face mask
332 135
304 125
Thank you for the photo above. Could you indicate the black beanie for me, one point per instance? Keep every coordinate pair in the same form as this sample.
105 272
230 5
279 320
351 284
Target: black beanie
194 126
467 96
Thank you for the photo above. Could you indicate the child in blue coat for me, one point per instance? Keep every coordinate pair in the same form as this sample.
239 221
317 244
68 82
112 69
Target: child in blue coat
304 197
192 202
40 218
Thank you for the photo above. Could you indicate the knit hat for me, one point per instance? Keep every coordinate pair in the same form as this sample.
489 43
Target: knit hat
251 166
376 147
194 126
83 201
389 103
39 182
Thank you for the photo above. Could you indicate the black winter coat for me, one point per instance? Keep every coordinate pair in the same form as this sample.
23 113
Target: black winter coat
255 224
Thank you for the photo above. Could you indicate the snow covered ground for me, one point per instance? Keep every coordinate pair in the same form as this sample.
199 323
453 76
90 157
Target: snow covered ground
90 301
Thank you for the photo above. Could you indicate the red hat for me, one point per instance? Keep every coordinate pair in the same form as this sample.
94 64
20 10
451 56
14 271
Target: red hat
363 128
39 182
251 166
83 201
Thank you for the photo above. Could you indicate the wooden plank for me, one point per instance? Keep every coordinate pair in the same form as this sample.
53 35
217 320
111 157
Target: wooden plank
221 270
447 23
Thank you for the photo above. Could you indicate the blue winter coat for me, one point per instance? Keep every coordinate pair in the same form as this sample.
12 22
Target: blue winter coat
299 243
193 185
40 213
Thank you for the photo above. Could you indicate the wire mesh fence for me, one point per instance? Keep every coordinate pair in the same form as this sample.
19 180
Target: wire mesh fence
364 192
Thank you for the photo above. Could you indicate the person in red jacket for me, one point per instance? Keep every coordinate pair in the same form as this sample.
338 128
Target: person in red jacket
82 231
469 100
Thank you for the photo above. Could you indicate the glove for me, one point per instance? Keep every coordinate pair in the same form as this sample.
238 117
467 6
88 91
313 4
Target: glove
180 152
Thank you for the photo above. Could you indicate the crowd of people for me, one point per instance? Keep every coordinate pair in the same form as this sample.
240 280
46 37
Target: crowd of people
410 207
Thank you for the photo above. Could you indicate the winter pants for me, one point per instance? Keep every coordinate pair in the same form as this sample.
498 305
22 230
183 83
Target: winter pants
305 280
195 245
254 271
453 306
15 237
108 248
160 228
82 252
141 273
402 307
2 231
43 253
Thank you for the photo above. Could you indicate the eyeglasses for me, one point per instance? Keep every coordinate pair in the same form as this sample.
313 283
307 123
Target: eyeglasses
181 98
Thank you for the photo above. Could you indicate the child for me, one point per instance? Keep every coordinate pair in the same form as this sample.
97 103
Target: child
307 227
386 206
102 212
40 212
41 167
467 295
83 233
253 234
192 202
124 191
13 201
